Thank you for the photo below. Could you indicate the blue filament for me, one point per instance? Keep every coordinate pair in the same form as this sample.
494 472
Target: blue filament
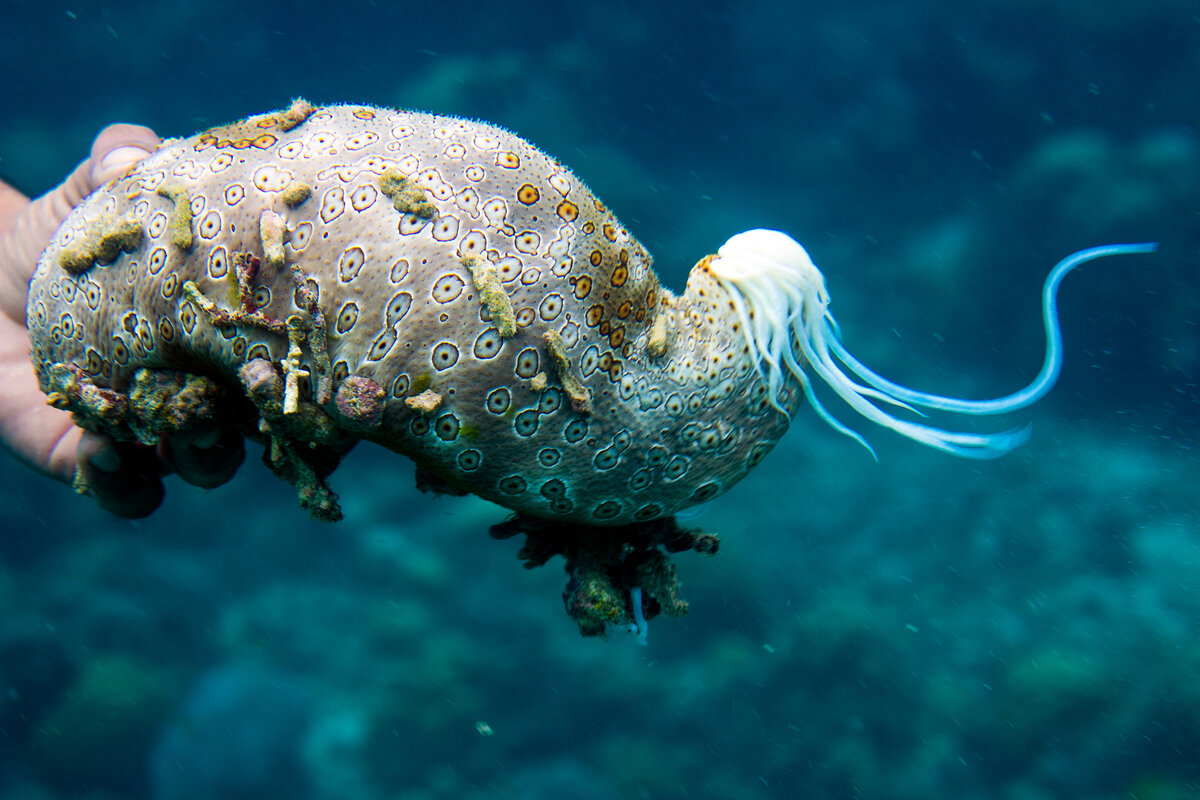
985 445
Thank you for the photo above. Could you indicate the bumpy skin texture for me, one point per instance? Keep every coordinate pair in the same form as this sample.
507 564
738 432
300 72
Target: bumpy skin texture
482 312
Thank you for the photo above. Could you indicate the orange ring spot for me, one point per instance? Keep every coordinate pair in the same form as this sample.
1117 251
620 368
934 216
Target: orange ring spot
528 194
568 210
583 287
620 275
264 141
596 257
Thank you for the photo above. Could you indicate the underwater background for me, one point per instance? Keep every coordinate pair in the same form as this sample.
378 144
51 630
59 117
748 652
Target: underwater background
920 627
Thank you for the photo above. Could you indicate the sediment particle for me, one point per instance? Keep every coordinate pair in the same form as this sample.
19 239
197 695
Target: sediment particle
179 225
657 344
408 197
293 365
295 193
426 402
581 396
492 294
271 229
296 114
163 402
69 388
103 243
360 400
263 385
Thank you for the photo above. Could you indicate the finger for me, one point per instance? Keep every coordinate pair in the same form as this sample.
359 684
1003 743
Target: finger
42 436
12 203
116 148
206 460
125 479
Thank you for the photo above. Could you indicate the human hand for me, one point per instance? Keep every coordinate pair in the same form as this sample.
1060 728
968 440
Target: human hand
124 477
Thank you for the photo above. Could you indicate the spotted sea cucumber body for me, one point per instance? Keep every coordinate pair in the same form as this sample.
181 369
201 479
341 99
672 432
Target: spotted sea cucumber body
512 330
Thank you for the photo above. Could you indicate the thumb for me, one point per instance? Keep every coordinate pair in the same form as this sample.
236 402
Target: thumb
116 149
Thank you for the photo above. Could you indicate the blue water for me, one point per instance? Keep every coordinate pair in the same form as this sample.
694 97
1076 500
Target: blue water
920 627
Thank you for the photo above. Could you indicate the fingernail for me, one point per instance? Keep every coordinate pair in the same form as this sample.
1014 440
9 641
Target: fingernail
120 157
